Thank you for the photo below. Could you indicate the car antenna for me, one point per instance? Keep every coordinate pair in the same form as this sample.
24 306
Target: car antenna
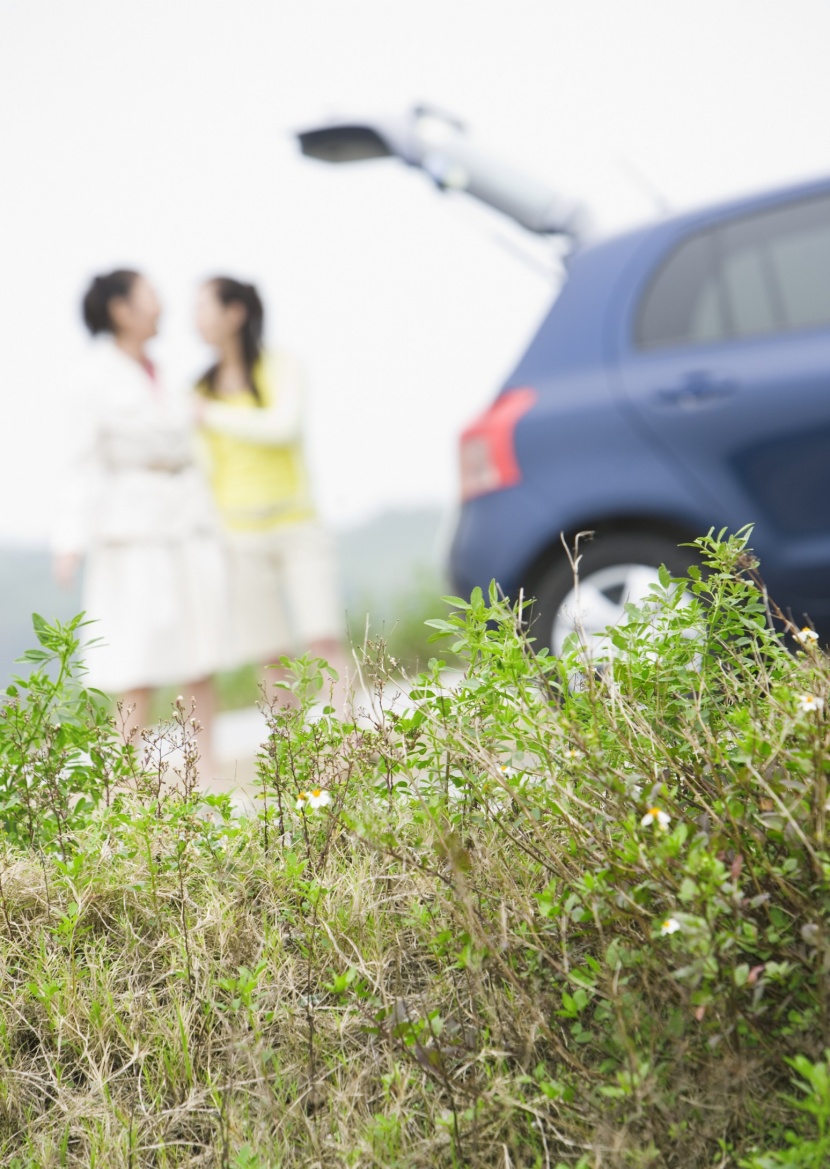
645 186
550 270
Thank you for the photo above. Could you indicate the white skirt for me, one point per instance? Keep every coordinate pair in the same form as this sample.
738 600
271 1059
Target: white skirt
159 610
283 591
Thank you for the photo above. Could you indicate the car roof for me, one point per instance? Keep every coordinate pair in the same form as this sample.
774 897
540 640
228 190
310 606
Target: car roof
601 276
740 204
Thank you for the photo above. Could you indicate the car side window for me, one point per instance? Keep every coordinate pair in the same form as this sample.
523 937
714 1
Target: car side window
800 259
776 268
764 273
751 293
684 303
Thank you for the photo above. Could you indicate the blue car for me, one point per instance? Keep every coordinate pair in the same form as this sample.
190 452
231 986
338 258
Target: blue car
680 382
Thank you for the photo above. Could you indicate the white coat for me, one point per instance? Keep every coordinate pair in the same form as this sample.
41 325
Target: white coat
134 501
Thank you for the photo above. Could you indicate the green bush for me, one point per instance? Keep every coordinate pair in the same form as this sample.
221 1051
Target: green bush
566 913
58 752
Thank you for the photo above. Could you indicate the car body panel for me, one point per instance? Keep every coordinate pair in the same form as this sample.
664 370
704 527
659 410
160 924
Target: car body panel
755 434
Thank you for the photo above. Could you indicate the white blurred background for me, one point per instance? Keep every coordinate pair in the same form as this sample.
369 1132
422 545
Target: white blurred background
158 135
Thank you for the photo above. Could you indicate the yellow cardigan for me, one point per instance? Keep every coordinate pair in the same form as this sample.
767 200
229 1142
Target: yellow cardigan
255 454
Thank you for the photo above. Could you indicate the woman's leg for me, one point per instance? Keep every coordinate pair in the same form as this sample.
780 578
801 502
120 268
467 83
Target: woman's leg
135 713
328 648
269 675
201 696
309 577
331 650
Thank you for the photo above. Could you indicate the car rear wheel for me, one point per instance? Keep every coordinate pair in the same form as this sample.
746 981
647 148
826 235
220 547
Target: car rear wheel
614 570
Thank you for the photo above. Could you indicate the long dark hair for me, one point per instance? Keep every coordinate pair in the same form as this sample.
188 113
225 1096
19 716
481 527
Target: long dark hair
230 291
103 289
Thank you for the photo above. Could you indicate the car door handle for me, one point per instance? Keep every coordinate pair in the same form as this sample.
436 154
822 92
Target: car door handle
698 388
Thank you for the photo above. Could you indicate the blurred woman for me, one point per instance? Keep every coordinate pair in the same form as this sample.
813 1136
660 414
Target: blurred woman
282 575
135 503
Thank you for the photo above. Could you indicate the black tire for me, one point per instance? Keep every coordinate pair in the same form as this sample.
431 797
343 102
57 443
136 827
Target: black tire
603 552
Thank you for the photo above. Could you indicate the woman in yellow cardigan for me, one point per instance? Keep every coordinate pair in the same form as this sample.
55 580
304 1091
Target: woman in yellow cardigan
283 589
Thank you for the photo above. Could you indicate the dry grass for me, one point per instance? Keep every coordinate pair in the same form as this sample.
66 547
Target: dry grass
129 1038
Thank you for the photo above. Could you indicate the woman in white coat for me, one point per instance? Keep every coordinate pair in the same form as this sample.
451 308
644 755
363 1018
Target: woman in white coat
137 506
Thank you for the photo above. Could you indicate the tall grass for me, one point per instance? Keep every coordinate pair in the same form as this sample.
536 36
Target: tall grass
565 914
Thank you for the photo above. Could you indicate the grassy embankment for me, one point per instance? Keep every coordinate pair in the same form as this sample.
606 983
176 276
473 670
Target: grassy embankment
559 917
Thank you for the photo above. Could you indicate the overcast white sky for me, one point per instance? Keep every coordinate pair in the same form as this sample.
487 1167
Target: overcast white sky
157 135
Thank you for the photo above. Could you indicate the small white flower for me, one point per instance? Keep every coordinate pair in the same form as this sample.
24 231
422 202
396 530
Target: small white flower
809 702
657 817
302 801
811 933
318 798
806 636
670 926
572 755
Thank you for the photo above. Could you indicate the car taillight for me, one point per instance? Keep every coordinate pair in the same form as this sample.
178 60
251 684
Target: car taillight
488 455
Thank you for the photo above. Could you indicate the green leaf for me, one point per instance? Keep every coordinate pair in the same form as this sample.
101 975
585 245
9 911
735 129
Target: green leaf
41 627
35 655
457 602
